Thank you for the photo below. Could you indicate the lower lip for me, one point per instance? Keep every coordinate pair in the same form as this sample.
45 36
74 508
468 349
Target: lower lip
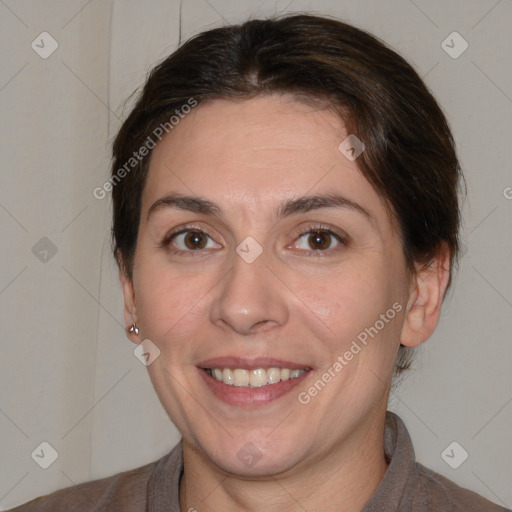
250 397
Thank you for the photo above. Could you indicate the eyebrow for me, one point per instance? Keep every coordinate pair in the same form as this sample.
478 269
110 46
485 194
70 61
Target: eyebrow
292 206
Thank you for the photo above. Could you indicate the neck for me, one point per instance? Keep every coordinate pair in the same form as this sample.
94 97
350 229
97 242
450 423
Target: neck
343 480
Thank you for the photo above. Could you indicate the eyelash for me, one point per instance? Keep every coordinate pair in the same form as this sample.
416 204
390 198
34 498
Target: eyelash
321 228
324 229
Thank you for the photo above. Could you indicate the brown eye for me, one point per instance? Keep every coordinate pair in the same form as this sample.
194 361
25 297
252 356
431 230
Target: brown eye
195 240
319 240
190 240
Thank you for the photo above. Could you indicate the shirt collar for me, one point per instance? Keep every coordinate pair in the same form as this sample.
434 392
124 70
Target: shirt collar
395 489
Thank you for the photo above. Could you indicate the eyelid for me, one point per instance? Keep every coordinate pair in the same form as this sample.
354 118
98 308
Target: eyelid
168 237
342 240
321 227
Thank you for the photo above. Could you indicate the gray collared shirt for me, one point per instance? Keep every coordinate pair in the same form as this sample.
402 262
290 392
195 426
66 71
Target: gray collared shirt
407 486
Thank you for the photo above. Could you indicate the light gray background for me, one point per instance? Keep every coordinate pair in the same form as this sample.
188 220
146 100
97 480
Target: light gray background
68 373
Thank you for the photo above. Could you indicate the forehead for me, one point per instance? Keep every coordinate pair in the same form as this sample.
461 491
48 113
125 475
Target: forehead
257 153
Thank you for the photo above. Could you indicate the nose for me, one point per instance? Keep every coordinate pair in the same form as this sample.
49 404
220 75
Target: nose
249 298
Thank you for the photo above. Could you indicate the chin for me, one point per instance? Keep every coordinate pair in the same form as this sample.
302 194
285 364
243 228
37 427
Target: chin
251 462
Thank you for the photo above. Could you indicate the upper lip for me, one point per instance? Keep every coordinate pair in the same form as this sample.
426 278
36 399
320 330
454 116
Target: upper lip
250 363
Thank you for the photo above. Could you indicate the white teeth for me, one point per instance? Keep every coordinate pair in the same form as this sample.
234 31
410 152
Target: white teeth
273 375
240 377
227 375
256 378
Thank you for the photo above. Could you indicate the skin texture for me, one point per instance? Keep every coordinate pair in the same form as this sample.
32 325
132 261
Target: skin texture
291 303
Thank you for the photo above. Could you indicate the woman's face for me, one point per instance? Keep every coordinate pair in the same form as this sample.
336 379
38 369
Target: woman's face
283 258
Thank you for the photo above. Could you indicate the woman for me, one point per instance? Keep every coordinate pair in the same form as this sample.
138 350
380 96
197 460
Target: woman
286 224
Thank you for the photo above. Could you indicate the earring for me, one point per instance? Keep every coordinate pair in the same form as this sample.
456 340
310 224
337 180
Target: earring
133 329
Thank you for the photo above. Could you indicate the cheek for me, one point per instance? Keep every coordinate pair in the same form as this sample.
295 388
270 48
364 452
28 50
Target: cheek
346 302
358 318
169 304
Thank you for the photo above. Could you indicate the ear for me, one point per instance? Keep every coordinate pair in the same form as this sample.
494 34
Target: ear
130 313
425 299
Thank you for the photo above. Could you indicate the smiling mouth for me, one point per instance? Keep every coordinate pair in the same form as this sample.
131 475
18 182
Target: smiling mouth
255 378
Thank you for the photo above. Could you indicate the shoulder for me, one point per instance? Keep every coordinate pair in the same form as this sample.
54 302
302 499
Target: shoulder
124 491
445 495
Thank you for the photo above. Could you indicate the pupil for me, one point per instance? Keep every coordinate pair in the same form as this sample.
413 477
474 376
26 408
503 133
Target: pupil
319 241
195 240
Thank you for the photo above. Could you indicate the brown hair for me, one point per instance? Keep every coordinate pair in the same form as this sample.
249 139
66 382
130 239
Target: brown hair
409 155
